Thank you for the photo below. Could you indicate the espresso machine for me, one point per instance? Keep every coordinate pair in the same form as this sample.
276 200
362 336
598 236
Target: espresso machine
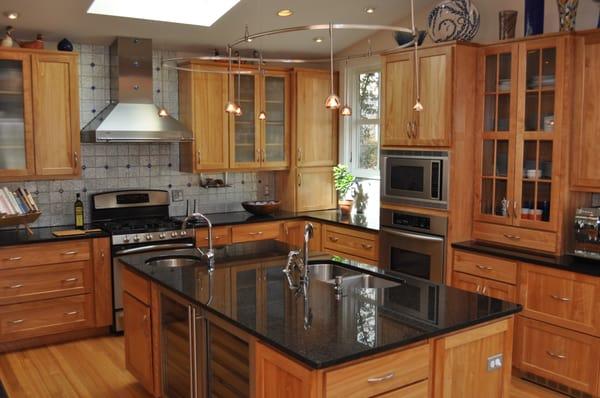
587 233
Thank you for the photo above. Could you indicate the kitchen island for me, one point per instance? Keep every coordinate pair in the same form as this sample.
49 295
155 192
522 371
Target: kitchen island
240 330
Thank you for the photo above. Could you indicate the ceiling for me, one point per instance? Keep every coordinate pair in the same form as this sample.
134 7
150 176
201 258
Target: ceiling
56 19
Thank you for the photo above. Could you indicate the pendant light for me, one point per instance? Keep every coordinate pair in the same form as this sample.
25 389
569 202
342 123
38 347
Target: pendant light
230 107
262 114
418 107
238 110
346 110
333 101
162 111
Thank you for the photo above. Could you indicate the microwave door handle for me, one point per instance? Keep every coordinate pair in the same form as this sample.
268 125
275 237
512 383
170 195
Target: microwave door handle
414 236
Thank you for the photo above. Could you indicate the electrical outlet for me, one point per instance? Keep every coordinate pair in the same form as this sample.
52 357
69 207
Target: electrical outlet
494 362
177 195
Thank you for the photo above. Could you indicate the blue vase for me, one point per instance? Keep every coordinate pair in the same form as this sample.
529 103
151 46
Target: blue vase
534 17
65 45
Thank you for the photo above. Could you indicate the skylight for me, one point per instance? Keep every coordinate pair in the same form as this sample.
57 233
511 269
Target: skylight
190 12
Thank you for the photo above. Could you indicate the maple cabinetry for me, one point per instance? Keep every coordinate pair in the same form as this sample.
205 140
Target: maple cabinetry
520 151
350 243
293 234
39 130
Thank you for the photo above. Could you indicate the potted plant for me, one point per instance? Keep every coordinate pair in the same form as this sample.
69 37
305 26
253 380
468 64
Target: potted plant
343 180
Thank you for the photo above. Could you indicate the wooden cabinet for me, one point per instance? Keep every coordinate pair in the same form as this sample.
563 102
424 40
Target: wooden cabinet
221 236
499 290
202 98
255 232
102 269
351 243
562 298
293 234
561 355
521 154
39 91
486 266
138 340
585 175
402 126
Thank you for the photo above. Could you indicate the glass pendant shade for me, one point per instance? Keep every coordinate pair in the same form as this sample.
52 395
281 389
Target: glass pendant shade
162 112
230 107
262 115
346 111
333 102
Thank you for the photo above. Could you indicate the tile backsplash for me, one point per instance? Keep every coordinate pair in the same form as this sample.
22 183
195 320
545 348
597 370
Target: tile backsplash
107 167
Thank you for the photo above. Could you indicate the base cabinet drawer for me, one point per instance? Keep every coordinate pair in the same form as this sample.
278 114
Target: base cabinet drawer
515 236
417 390
220 236
255 232
43 317
485 266
46 253
495 289
346 240
558 354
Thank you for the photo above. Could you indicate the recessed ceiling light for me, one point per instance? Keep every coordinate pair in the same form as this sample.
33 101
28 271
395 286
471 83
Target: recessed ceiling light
198 12
369 10
11 14
318 40
285 12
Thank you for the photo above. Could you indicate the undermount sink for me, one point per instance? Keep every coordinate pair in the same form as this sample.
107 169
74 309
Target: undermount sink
174 261
350 279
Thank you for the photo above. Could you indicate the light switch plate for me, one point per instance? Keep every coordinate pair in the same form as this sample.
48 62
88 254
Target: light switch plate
177 195
495 362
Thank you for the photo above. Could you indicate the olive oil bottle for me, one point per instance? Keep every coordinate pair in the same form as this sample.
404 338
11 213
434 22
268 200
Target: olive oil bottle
79 213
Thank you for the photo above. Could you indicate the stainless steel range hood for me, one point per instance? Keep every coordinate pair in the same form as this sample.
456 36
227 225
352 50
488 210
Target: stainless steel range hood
131 115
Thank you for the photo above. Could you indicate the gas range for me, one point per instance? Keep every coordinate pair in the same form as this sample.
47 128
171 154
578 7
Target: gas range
133 231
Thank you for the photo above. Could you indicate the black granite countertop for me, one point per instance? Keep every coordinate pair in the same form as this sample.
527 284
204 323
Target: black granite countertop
249 290
9 237
566 262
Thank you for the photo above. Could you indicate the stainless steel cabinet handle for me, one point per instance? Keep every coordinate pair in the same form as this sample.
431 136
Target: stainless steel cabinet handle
555 355
333 239
559 298
14 258
508 209
264 156
512 237
16 286
366 246
411 235
299 154
515 209
70 280
198 157
408 129
75 158
380 379
69 253
72 313
214 237
484 289
16 321
478 290
299 179
484 267
257 156
255 233
414 129
102 253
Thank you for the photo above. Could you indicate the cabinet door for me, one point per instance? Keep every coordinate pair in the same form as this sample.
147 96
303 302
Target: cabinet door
16 128
496 144
102 281
315 190
245 149
56 115
467 282
138 340
293 235
434 123
245 281
398 95
275 128
539 128
316 126
585 173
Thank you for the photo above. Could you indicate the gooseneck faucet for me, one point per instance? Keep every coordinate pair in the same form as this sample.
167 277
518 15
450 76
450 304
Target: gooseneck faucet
210 254
294 262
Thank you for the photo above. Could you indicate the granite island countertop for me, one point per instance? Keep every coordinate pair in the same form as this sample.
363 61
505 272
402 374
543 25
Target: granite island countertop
248 289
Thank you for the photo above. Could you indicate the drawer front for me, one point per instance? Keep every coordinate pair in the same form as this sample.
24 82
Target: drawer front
19 321
560 297
221 236
514 236
417 390
499 290
558 354
255 232
351 242
44 253
485 266
379 375
44 281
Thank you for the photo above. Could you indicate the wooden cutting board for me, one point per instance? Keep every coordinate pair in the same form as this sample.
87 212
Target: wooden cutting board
75 232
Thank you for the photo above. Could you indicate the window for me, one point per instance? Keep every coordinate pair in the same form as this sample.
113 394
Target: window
363 127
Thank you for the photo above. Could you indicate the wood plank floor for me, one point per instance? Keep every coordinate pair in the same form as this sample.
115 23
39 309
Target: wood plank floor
96 368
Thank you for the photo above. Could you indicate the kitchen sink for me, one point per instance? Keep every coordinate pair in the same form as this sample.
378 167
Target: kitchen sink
174 261
350 279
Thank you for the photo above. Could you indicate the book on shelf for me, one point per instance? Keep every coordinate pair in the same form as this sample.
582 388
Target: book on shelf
18 202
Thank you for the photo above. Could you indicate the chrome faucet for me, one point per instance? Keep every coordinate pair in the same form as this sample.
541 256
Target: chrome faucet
210 254
294 262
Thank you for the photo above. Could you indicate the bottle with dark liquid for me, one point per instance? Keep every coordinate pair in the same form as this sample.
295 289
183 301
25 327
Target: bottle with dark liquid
79 213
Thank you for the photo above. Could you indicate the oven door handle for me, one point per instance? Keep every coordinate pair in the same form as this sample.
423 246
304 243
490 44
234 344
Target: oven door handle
149 248
413 236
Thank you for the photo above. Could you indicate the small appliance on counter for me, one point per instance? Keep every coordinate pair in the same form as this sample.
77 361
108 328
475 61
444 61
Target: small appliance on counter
587 233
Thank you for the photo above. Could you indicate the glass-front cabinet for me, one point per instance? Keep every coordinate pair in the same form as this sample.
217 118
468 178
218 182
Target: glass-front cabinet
16 133
260 142
519 146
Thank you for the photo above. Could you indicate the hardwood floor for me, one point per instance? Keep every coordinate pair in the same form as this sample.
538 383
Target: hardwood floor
96 368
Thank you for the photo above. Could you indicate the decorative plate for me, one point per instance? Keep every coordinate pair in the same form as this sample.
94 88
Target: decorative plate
453 20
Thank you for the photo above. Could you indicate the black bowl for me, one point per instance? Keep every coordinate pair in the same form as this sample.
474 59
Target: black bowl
261 208
405 37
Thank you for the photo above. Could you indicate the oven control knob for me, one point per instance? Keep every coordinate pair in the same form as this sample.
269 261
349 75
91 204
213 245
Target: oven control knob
148 237
126 239
136 238
161 236
173 234
183 233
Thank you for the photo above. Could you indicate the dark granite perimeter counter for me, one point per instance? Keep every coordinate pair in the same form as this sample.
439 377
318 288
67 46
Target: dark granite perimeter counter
10 237
249 290
567 262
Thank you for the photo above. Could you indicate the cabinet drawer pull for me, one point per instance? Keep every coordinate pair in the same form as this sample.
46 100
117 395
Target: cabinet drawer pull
512 237
16 321
478 290
555 355
69 253
70 280
299 154
17 258
366 246
380 379
559 298
71 313
484 267
333 239
299 179
408 129
18 285
484 289
75 158
255 233
215 237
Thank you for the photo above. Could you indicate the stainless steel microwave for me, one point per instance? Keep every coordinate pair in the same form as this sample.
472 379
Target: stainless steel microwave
418 178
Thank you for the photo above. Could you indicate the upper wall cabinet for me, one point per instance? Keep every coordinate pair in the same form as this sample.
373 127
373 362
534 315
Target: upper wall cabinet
521 128
39 128
585 173
402 126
